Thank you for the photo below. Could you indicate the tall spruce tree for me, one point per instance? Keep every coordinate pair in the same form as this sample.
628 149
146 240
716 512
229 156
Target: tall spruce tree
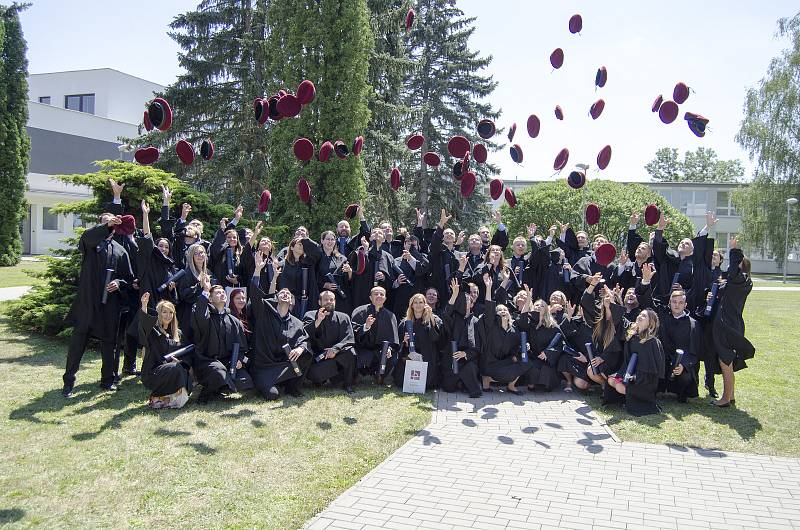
223 43
390 68
448 92
13 136
328 42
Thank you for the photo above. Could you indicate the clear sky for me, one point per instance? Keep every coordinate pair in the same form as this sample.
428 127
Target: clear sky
717 47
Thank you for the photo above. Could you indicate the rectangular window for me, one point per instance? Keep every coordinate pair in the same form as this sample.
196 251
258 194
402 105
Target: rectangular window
49 219
725 203
80 102
77 222
721 242
686 201
700 202
44 99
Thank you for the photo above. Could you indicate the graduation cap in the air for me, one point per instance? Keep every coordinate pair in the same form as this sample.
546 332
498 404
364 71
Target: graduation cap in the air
557 58
207 149
415 141
511 197
259 112
341 150
465 162
668 111
185 152
604 157
395 179
496 188
533 125
148 125
486 129
304 191
432 159
651 214
160 114
263 202
410 19
592 214
576 179
575 23
303 149
511 131
479 153
680 93
457 170
458 146
597 108
351 211
467 184
516 153
697 123
605 254
358 144
325 151
128 226
601 77
146 155
561 159
306 92
289 106
657 103
559 112
271 106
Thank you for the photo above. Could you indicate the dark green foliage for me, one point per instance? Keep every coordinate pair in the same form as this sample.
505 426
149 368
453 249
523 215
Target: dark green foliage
14 141
546 203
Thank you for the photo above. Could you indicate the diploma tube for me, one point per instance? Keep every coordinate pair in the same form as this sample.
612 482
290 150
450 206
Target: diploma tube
331 279
109 274
565 274
181 352
232 370
678 360
410 330
710 303
174 278
630 371
304 291
590 355
229 260
675 278
523 346
296 367
453 350
384 353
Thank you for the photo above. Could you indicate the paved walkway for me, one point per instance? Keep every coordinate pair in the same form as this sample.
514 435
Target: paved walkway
547 461
12 293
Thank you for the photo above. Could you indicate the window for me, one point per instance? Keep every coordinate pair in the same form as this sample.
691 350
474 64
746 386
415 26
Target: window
725 203
721 242
49 219
694 202
80 102
44 99
77 222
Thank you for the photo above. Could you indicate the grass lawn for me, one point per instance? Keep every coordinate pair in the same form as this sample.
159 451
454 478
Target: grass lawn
765 419
16 276
105 460
775 280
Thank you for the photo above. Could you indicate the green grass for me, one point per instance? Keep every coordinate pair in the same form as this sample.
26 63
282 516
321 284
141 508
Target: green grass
765 419
16 276
775 280
106 460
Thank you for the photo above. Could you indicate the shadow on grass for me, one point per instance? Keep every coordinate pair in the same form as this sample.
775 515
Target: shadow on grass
10 515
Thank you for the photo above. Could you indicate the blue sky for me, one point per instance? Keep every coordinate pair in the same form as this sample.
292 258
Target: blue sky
719 48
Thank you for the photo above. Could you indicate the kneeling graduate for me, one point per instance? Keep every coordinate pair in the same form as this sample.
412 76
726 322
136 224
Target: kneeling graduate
331 342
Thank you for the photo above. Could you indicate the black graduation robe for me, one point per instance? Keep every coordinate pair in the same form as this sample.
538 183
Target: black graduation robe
361 284
160 377
330 267
730 344
292 278
500 348
543 373
681 333
336 332
426 343
368 342
640 394
462 329
611 353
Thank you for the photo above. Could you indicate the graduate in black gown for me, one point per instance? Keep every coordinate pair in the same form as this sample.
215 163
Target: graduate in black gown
215 333
679 331
370 267
500 345
332 343
372 325
411 271
427 331
731 347
258 243
189 287
167 378
155 264
541 328
460 325
89 314
604 316
281 355
442 257
640 392
228 241
333 272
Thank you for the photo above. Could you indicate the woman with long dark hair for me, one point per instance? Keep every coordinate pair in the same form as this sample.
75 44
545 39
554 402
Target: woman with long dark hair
605 318
226 252
541 328
300 275
461 327
332 273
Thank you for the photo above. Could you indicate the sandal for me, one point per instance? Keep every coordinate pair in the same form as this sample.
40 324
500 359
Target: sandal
515 391
568 389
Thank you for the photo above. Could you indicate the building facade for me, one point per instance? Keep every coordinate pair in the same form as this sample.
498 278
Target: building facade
695 199
75 118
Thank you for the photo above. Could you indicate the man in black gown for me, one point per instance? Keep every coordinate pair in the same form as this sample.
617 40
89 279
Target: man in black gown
372 325
331 342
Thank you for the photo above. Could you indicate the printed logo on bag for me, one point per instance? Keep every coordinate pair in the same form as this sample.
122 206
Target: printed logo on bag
415 375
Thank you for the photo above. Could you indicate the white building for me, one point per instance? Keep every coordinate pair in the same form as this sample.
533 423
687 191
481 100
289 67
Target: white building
695 199
74 119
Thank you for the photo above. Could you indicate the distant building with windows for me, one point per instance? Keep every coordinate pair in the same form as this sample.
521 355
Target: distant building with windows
74 118
695 199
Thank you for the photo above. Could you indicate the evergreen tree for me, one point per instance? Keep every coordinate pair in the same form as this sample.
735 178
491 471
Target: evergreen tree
13 137
223 44
447 91
328 42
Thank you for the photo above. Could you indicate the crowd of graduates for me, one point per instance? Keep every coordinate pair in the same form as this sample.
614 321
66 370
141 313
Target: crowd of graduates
560 311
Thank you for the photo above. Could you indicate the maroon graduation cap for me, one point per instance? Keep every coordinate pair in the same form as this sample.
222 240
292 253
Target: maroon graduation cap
160 114
185 152
605 254
604 157
601 77
207 149
486 129
148 125
306 92
395 179
652 214
415 141
467 184
351 211
533 125
576 179
458 146
325 151
146 155
680 93
128 226
263 202
559 112
597 108
303 149
516 153
341 150
575 23
511 197
432 159
668 111
410 19
592 214
697 123
304 191
358 144
289 106
511 131
657 103
496 188
557 58
561 159
479 153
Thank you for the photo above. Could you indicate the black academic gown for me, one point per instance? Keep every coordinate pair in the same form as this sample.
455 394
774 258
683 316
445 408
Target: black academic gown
577 334
336 332
306 294
426 339
693 271
730 344
682 333
270 366
572 252
612 353
160 377
329 269
218 256
369 342
544 372
586 267
415 276
640 394
443 264
361 284
500 348
154 269
462 329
